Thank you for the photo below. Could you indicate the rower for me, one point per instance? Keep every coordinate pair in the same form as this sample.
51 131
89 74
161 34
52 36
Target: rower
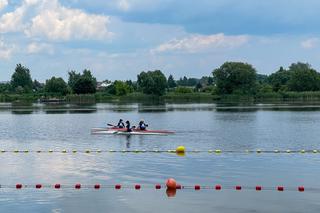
120 124
128 126
142 125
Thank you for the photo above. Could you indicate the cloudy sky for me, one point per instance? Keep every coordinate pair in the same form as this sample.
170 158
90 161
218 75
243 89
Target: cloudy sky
117 39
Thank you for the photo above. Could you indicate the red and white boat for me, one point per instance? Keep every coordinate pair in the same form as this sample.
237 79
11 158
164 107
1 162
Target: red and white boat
123 131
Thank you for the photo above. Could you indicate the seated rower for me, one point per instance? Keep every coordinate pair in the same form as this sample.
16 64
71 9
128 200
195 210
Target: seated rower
142 125
120 124
128 126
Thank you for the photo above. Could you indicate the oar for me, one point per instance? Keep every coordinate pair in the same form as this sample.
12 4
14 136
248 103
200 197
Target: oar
111 125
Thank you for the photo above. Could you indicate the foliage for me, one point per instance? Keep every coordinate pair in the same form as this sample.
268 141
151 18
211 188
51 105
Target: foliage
21 79
83 83
152 82
5 87
37 86
303 78
121 88
56 85
235 78
187 81
279 79
171 82
183 90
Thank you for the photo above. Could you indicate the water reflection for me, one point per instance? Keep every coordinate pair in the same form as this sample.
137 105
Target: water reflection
171 192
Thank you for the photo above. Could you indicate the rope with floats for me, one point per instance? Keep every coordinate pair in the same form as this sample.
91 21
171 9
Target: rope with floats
179 150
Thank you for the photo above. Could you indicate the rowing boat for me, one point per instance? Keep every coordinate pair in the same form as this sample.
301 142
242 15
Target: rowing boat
123 131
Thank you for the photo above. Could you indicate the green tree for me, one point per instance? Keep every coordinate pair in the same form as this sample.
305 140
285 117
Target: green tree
56 85
152 82
73 77
303 78
235 78
82 83
279 80
21 77
5 87
37 86
171 82
121 88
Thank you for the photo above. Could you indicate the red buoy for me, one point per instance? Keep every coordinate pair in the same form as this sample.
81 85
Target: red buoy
18 186
258 188
97 186
158 186
118 186
38 186
171 183
137 187
218 187
178 186
301 189
57 186
77 186
197 187
280 188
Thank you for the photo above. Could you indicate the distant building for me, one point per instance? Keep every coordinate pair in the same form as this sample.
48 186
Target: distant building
102 85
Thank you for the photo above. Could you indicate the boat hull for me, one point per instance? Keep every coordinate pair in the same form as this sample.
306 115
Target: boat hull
123 131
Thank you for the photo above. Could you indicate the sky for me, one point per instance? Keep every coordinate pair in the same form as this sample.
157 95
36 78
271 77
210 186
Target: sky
117 39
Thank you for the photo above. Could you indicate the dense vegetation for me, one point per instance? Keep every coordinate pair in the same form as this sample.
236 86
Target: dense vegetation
230 80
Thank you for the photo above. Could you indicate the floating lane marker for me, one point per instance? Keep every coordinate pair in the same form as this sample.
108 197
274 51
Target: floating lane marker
196 187
181 150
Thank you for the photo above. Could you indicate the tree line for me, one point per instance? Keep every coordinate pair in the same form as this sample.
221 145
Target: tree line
231 78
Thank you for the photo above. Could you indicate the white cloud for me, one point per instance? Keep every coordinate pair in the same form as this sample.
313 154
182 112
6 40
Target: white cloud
35 48
199 43
3 4
51 20
123 5
309 43
5 50
56 22
12 21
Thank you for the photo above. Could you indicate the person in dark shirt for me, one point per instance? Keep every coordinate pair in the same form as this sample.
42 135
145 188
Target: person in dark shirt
128 126
120 124
142 125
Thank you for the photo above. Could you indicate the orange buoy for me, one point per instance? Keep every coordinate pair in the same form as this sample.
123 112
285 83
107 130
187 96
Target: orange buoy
171 183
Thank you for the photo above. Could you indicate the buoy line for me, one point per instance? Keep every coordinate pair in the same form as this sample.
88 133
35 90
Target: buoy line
178 150
159 186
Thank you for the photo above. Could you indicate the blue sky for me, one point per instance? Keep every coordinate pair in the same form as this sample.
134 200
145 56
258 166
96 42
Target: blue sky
117 39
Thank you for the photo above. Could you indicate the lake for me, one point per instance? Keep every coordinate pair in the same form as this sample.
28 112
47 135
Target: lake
202 127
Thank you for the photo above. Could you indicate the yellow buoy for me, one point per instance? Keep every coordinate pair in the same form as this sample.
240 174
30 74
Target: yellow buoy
180 149
218 151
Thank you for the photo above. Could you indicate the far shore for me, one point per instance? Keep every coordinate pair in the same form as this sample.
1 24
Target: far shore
196 97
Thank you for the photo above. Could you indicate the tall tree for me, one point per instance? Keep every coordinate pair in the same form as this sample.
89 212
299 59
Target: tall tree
152 82
235 78
82 83
56 85
171 82
279 80
21 78
303 78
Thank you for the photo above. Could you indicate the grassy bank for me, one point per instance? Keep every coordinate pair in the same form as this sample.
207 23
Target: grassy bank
170 97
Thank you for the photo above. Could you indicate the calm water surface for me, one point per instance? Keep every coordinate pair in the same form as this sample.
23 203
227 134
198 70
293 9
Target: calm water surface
197 126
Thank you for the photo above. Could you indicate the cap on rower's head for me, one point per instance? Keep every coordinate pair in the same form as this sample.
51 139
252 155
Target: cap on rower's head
121 120
127 122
